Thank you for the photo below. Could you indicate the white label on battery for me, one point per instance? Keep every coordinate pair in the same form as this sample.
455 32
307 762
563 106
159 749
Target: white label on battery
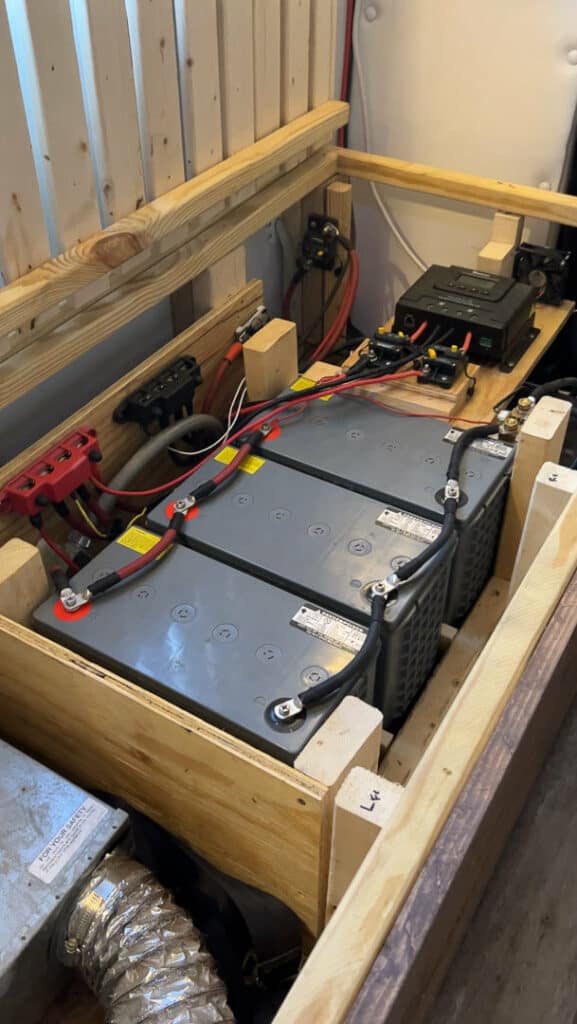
68 840
329 627
488 445
408 525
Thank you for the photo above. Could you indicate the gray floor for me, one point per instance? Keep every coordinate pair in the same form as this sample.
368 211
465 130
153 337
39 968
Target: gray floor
518 963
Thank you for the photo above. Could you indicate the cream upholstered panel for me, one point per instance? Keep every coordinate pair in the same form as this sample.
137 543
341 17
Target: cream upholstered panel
486 87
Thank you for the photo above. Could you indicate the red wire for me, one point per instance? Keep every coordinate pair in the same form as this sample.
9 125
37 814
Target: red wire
417 334
267 418
337 328
467 342
346 63
58 550
227 360
286 302
166 541
422 415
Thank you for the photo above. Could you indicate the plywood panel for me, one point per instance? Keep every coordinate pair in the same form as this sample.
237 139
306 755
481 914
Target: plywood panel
23 235
153 43
58 125
101 32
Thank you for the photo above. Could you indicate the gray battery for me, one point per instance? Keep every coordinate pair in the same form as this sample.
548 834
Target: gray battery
403 459
327 545
213 640
53 834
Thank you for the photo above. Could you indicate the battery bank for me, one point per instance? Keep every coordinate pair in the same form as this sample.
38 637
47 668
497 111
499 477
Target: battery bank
403 460
211 639
327 545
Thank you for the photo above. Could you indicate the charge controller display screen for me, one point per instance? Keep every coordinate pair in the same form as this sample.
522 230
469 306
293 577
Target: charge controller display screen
479 284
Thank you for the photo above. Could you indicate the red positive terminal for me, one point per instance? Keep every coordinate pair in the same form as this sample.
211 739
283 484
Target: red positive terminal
53 477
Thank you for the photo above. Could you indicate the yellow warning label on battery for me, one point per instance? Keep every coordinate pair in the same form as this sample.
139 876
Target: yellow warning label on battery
139 540
304 383
250 464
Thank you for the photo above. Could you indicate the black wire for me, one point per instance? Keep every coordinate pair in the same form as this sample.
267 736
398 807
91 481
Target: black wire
562 384
360 662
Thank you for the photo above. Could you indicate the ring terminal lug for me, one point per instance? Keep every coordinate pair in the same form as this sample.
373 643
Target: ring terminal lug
452 490
72 601
184 505
286 710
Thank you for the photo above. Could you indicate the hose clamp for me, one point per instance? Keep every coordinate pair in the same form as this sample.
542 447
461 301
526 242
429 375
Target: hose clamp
71 601
184 505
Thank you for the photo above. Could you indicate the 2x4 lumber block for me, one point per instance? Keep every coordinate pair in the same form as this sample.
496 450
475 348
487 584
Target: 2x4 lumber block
156 226
540 440
26 369
363 805
23 581
498 255
338 204
207 340
271 359
408 746
554 486
324 990
250 815
454 185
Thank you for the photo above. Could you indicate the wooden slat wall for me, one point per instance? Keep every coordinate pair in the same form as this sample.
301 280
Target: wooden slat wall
103 45
153 44
23 235
124 100
59 129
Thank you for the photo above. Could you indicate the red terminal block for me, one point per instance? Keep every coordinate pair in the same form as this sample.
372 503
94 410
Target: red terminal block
53 477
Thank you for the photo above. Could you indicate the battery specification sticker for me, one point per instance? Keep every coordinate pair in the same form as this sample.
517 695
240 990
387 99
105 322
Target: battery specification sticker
408 525
488 445
331 628
68 840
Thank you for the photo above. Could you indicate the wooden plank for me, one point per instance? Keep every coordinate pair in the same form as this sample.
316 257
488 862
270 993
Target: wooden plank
23 581
267 62
414 958
454 185
324 991
22 372
540 440
103 45
58 123
206 340
125 248
197 38
153 43
323 44
338 204
250 815
414 736
296 32
270 360
551 492
363 805
23 235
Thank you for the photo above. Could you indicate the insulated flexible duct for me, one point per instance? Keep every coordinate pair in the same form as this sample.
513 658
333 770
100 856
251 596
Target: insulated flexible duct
140 953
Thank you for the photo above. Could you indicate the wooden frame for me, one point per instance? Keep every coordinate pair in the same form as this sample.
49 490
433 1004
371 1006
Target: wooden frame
505 715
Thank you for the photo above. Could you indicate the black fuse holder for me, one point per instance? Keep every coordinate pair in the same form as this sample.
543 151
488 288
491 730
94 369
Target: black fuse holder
167 397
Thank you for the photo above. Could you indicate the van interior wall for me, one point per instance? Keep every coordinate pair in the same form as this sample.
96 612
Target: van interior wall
442 86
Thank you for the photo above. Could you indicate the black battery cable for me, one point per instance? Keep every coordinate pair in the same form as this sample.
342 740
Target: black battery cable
73 600
381 592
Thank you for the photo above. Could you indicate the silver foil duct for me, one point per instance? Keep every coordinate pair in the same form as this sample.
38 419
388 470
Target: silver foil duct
140 953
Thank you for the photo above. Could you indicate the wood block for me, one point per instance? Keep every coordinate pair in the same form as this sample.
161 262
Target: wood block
350 737
363 805
540 440
271 359
553 487
23 582
498 256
